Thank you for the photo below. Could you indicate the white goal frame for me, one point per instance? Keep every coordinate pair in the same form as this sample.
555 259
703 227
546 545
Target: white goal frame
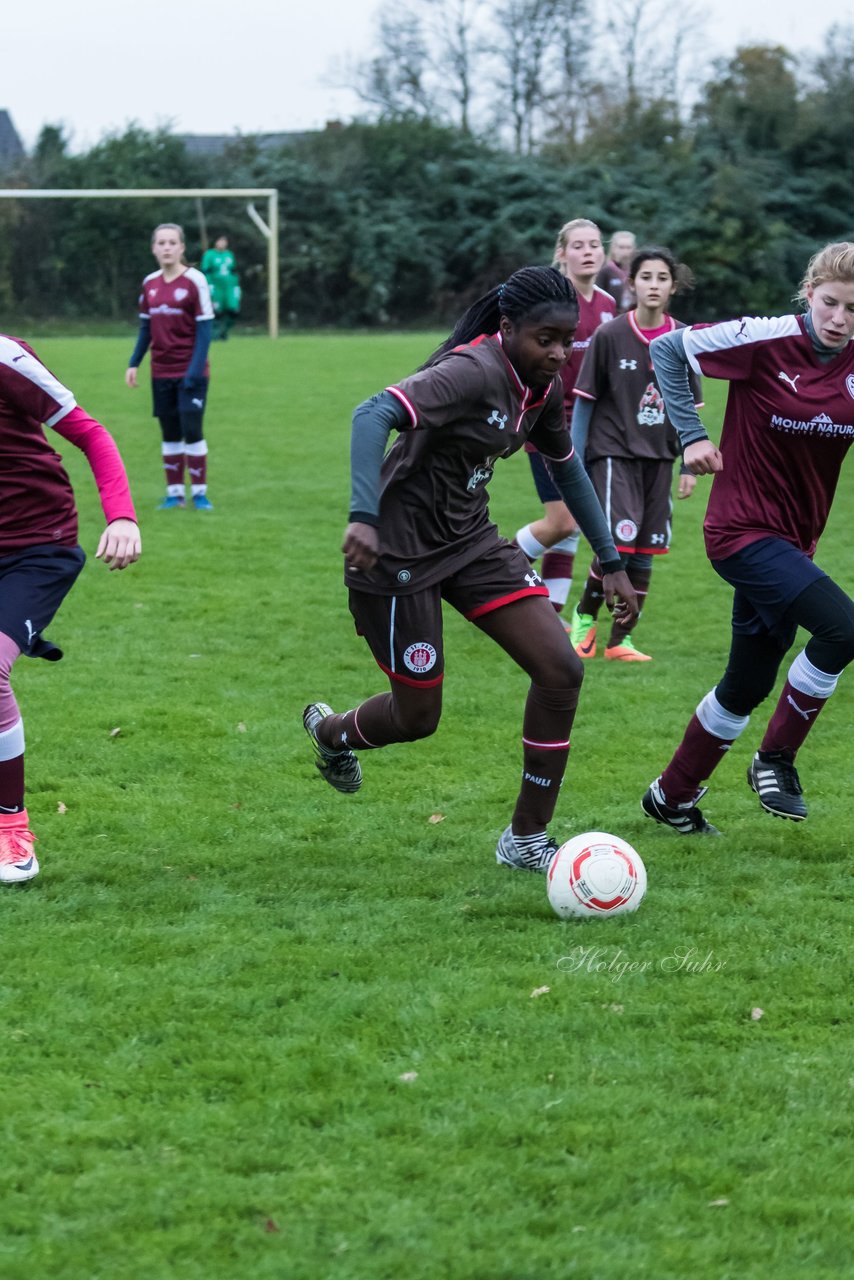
269 229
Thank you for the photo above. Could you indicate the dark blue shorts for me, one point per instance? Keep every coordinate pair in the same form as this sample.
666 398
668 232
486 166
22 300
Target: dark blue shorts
33 584
182 408
547 490
768 576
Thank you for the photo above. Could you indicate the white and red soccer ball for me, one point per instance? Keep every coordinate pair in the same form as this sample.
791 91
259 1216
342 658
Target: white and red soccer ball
595 874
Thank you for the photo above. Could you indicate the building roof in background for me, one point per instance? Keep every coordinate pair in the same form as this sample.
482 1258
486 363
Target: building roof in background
11 147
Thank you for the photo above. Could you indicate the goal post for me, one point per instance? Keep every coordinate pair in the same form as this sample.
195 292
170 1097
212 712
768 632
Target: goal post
269 229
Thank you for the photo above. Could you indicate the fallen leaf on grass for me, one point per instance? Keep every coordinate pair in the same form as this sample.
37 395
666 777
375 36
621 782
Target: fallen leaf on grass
61 808
718 1204
408 1077
271 1226
436 817
241 728
756 1014
540 991
114 733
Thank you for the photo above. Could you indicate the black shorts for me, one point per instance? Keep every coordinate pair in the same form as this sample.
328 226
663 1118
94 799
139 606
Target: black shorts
404 632
171 400
33 584
638 505
768 576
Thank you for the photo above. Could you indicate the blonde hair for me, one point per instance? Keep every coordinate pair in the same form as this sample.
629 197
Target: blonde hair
833 262
563 237
168 226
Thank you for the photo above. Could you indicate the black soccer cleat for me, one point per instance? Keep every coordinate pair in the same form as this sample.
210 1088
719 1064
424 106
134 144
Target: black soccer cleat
774 778
686 819
341 769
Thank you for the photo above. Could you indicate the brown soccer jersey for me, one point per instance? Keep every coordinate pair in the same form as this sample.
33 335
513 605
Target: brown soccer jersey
629 419
466 411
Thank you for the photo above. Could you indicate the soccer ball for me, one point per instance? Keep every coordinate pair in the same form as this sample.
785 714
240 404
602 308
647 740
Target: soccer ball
595 874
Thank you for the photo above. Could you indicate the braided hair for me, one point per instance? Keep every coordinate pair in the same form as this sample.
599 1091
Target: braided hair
520 297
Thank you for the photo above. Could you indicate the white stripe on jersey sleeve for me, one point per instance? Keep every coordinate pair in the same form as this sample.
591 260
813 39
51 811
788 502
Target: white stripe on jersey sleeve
737 333
26 366
206 311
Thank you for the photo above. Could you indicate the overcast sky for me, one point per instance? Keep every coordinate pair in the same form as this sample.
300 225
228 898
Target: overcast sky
97 65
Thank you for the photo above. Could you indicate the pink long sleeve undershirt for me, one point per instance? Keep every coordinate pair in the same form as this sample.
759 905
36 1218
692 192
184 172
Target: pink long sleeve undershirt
102 454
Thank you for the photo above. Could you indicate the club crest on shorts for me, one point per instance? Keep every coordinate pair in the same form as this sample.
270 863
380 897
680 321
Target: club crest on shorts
626 530
849 385
420 657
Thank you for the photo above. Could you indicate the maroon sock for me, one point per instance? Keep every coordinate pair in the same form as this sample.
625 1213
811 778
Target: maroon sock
794 716
372 724
197 468
592 596
695 759
173 467
557 564
549 714
12 785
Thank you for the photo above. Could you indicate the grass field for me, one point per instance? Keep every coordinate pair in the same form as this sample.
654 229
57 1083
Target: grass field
255 1029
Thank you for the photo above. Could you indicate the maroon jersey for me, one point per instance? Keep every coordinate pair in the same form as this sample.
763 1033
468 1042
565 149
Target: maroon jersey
599 310
788 424
466 411
629 420
36 499
173 308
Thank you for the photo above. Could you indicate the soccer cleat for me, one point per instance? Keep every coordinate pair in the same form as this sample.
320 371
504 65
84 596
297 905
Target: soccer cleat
171 502
18 861
202 502
582 634
625 651
525 853
685 818
341 769
774 778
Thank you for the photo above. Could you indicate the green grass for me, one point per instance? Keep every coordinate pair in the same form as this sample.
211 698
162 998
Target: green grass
213 991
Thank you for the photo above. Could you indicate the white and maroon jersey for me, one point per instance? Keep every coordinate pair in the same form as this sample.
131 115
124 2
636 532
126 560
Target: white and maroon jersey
599 310
36 499
174 308
629 419
466 411
788 424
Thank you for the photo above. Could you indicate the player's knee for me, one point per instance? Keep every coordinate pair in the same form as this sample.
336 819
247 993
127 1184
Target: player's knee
418 719
560 670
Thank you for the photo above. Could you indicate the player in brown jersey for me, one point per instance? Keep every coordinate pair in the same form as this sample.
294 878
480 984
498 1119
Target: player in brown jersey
39 553
614 276
175 319
579 255
420 533
788 425
621 429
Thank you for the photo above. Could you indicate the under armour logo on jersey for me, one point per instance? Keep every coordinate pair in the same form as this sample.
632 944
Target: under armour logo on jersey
497 419
533 579
784 377
657 538
628 364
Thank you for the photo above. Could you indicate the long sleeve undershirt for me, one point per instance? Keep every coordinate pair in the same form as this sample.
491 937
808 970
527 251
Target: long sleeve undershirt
102 454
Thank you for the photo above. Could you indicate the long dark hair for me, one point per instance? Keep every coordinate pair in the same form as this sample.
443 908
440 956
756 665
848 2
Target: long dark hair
683 277
518 298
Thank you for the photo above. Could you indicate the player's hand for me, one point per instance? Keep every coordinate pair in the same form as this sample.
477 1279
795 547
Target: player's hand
620 597
687 485
120 544
361 545
130 377
702 458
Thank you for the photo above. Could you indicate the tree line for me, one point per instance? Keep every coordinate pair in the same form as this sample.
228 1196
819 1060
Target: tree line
403 217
